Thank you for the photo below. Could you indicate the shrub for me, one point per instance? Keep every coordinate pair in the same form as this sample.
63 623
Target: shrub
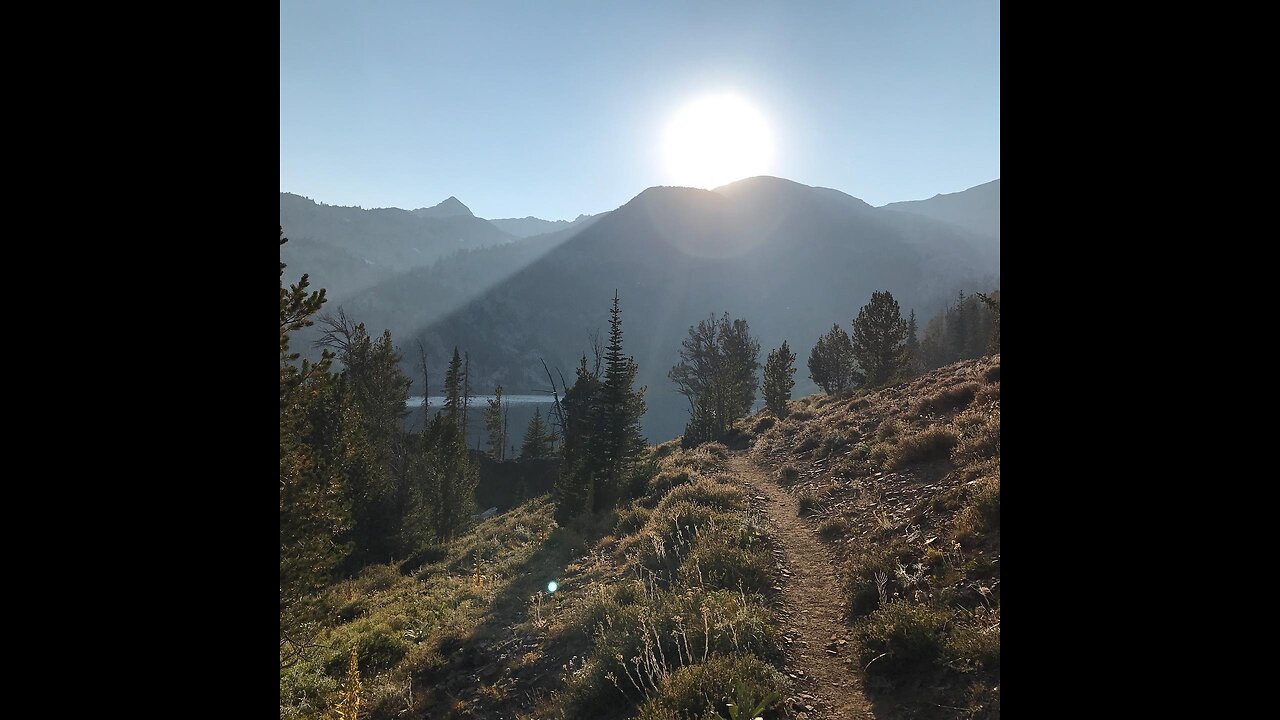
992 374
833 528
948 399
425 555
702 690
799 416
789 472
981 514
631 518
709 492
764 423
931 443
901 636
378 648
718 563
861 593
808 502
975 642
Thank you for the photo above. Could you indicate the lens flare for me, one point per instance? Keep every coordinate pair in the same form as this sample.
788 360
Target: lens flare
551 586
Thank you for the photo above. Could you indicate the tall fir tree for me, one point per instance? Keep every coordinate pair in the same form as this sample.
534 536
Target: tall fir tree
879 339
915 363
779 371
493 424
453 390
537 438
575 488
618 410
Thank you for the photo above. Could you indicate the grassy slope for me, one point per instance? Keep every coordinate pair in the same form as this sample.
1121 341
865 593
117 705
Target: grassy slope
659 605
904 483
664 601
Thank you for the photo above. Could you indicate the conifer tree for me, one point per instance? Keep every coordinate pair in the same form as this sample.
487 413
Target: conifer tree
879 339
779 370
453 390
618 409
493 423
537 438
831 363
915 362
574 490
992 302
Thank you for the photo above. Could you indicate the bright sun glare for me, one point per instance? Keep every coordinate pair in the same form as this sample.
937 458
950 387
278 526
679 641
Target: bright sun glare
715 140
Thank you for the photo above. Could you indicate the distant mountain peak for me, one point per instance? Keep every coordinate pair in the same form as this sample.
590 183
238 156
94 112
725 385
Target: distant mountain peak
450 207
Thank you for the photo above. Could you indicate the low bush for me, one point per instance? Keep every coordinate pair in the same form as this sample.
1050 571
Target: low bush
931 443
948 399
901 637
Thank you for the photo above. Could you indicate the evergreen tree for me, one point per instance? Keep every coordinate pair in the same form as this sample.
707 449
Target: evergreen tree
958 329
322 447
933 348
992 302
879 339
453 390
915 363
717 375
537 438
779 370
574 490
446 481
494 425
831 363
618 409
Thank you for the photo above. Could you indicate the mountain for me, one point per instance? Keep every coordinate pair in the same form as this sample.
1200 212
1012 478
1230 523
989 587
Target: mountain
530 226
790 258
348 249
451 207
977 209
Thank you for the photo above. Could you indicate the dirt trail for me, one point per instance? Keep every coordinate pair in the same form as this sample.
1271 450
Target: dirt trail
822 668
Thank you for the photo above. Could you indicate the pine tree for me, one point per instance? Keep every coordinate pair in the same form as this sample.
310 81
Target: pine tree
446 480
574 489
958 328
453 390
779 370
992 302
831 363
717 375
879 339
618 410
537 439
494 425
915 363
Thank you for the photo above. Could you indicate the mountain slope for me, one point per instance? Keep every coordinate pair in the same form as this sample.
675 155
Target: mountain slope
449 207
789 258
390 240
530 226
977 209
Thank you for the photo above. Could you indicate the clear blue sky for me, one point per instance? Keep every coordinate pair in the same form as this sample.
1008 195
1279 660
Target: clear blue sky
558 108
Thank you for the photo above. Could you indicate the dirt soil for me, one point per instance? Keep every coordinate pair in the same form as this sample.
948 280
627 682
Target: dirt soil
820 657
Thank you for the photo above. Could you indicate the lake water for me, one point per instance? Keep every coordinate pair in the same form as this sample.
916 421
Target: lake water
481 400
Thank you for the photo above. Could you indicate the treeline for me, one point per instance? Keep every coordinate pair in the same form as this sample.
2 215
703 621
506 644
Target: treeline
355 486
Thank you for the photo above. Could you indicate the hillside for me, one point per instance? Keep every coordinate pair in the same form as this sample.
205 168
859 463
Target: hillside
530 226
789 258
977 209
845 558
348 249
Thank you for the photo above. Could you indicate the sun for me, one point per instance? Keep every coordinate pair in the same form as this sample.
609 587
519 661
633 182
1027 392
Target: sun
716 140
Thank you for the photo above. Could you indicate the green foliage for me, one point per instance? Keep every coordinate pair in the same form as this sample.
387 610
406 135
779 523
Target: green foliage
879 339
538 440
717 375
901 636
831 363
496 426
779 372
444 483
724 683
967 329
603 443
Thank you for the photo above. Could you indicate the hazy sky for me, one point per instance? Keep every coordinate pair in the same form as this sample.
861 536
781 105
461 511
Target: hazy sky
559 108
